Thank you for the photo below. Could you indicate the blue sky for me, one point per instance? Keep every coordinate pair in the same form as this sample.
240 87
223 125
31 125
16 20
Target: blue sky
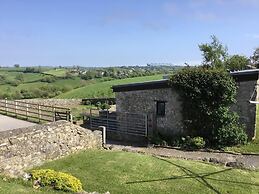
122 32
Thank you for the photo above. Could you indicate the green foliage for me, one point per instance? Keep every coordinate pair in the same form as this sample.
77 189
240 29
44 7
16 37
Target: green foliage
193 143
57 180
236 62
33 70
41 92
20 77
230 135
207 95
104 106
48 79
2 79
214 53
255 58
68 75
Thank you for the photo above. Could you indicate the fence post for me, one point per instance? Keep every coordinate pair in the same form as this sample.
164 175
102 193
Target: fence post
39 112
15 110
54 113
71 117
90 118
103 129
27 109
146 125
6 109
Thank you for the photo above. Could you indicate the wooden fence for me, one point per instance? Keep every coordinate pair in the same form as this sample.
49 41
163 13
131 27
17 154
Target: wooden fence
34 112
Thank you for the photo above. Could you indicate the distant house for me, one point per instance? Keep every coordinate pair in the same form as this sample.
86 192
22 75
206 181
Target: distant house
164 105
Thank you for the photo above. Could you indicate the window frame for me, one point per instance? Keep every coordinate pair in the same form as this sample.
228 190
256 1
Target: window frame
160 113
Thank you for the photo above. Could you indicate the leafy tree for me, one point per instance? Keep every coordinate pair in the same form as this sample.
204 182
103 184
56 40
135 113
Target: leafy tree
255 58
16 65
237 62
214 53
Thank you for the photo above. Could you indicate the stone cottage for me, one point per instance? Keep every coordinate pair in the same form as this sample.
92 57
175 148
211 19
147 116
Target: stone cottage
164 105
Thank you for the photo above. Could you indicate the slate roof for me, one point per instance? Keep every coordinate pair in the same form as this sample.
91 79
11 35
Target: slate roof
239 76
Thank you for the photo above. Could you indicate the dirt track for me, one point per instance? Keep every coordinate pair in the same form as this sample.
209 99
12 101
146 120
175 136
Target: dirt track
8 123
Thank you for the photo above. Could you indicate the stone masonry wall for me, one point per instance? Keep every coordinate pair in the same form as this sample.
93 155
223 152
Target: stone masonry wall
144 101
246 110
66 103
25 148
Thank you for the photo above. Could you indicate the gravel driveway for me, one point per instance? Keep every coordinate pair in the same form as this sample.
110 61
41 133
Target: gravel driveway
228 159
9 123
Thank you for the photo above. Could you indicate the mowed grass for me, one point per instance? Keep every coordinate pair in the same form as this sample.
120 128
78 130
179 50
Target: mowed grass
132 173
103 89
252 146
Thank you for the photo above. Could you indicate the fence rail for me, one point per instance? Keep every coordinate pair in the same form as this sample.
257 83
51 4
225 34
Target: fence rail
34 112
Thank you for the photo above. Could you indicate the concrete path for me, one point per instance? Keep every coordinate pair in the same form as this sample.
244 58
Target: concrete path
228 159
9 123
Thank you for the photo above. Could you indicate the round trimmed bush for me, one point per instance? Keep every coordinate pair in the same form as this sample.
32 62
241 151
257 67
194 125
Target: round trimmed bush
57 180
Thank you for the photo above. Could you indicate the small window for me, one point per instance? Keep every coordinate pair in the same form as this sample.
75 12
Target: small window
160 108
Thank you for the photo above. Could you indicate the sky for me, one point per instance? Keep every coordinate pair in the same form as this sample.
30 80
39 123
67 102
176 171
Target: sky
122 32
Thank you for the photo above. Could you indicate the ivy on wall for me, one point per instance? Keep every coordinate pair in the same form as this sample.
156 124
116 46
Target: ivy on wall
207 95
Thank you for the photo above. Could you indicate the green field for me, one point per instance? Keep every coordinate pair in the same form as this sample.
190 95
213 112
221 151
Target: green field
56 72
132 173
59 84
103 89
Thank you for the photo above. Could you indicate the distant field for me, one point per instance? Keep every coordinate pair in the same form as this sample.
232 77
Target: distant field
28 77
69 84
56 72
47 82
103 89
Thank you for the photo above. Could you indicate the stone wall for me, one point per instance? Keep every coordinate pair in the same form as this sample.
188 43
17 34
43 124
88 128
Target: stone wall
144 101
246 110
66 103
25 148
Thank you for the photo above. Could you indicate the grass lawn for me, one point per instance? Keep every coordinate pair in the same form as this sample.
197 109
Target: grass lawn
253 146
132 173
103 89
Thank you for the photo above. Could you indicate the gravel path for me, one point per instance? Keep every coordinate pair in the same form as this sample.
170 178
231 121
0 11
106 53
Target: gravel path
233 160
9 123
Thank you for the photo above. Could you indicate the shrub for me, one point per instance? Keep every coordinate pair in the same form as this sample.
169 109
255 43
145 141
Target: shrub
230 135
48 79
194 143
207 94
57 180
104 106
